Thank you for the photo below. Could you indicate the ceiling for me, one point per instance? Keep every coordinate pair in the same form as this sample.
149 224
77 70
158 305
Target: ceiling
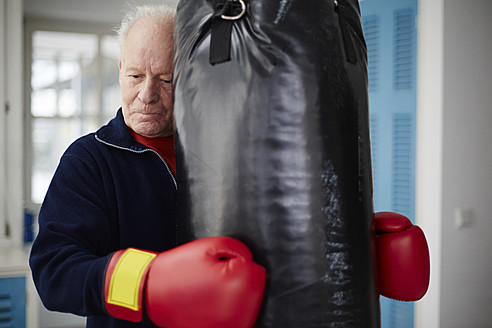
103 11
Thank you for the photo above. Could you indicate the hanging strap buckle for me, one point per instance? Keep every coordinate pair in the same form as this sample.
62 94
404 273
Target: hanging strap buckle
237 16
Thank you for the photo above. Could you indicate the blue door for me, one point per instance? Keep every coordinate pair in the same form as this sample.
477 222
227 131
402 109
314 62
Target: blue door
13 302
391 37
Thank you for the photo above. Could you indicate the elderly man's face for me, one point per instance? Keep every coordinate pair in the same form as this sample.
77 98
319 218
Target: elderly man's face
146 77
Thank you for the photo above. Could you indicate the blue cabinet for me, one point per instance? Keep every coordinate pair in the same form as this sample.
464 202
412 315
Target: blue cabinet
13 302
391 36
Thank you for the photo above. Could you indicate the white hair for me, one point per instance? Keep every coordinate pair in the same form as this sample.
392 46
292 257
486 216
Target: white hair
162 12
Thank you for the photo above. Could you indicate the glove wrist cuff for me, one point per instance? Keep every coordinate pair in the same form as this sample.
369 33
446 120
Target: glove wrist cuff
124 283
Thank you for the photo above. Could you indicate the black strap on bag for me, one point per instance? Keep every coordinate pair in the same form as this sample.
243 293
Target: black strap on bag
226 12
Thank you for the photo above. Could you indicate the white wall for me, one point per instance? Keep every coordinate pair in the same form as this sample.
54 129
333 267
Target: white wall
11 123
466 293
454 168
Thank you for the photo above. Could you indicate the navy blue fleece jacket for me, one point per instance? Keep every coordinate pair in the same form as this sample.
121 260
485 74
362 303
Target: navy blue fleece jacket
108 193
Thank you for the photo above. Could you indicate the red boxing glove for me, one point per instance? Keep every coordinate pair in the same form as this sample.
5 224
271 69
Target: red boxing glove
403 262
208 283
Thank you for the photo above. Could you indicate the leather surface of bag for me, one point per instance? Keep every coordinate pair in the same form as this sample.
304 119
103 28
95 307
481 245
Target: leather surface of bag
273 148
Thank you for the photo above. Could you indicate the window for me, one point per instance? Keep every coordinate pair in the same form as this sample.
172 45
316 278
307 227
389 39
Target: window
74 89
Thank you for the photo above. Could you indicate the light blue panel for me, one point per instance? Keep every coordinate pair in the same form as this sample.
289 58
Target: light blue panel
390 32
13 302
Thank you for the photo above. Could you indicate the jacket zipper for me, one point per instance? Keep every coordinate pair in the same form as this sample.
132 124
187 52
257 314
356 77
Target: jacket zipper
139 152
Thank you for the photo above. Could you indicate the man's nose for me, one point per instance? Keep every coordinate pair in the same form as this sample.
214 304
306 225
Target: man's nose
149 93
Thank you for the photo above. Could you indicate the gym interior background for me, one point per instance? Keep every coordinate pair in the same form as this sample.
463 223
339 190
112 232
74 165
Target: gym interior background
431 112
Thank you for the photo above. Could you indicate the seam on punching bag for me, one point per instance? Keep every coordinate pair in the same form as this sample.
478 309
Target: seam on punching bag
348 44
204 31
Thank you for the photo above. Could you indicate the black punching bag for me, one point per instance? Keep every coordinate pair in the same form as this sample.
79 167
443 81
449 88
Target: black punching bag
273 148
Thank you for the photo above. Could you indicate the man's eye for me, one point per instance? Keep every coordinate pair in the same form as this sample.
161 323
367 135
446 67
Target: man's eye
166 81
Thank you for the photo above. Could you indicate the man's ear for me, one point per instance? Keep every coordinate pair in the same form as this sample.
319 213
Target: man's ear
119 64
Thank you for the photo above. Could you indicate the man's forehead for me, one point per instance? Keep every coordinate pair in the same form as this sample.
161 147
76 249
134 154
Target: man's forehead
148 46
141 67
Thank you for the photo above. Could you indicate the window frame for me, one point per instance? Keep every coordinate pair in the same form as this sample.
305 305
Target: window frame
11 123
31 25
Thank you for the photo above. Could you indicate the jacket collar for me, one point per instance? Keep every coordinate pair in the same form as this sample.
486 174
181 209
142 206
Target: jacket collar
117 133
